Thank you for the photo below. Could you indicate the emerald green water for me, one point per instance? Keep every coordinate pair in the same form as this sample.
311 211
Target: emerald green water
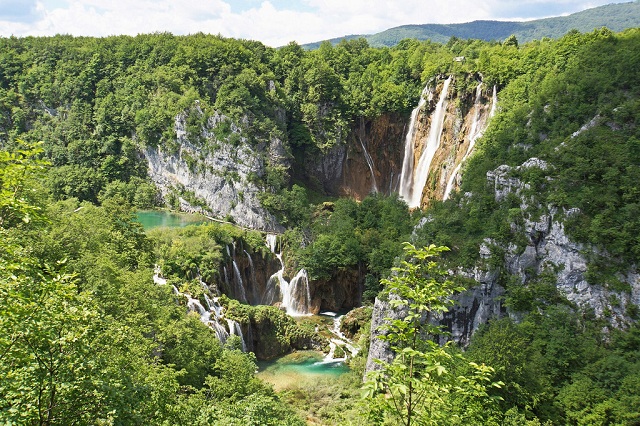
297 369
162 219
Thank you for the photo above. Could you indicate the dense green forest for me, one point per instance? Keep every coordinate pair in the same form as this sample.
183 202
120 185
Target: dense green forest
86 337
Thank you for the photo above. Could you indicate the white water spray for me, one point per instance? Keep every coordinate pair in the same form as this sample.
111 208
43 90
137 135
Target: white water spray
296 296
433 142
474 135
406 178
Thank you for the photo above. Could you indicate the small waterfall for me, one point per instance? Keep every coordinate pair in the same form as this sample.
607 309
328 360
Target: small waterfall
494 102
295 295
226 277
374 185
406 177
209 302
239 284
213 308
194 305
341 341
433 142
157 277
235 329
272 241
221 332
253 285
474 134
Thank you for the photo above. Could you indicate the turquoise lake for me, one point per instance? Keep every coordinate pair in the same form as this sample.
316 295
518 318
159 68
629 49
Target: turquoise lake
163 219
294 369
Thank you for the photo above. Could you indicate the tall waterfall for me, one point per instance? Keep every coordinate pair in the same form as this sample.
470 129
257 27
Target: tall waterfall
374 185
296 295
413 179
474 134
406 178
239 284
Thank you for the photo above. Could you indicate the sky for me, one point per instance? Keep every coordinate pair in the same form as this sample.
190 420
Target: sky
273 22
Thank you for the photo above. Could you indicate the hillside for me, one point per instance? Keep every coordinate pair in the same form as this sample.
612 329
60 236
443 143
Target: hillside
616 17
523 160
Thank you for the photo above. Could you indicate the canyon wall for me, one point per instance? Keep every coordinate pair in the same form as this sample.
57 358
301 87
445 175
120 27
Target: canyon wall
217 178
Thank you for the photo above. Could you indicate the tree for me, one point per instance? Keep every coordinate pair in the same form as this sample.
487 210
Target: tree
426 383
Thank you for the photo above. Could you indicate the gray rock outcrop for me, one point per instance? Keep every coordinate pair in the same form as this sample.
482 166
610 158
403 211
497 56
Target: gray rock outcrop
548 250
221 177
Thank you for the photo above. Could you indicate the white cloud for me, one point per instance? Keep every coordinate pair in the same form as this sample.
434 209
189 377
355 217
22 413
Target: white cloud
312 20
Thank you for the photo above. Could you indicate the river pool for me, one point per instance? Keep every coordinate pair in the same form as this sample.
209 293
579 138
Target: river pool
299 368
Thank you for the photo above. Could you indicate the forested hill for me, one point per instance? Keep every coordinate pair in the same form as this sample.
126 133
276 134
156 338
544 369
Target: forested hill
616 17
544 227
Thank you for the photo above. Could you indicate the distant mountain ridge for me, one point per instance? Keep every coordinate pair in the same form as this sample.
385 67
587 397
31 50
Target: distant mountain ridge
617 17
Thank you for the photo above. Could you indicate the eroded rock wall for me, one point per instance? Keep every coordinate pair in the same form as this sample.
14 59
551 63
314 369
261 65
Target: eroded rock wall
220 174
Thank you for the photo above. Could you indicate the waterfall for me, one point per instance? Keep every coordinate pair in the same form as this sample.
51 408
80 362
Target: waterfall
194 305
474 134
239 284
157 277
276 281
226 277
209 302
406 177
296 295
221 332
494 102
213 308
341 341
253 276
272 240
374 185
235 329
433 142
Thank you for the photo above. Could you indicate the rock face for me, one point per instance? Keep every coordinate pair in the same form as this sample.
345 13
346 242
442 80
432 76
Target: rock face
548 250
345 169
219 175
442 137
379 349
342 291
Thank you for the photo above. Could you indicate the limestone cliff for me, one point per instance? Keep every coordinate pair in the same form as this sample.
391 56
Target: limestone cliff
548 250
217 177
369 161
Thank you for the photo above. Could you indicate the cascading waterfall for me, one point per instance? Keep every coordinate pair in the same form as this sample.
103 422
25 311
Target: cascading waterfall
474 135
421 172
194 305
374 185
406 177
340 340
296 295
235 329
239 284
215 310
253 277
